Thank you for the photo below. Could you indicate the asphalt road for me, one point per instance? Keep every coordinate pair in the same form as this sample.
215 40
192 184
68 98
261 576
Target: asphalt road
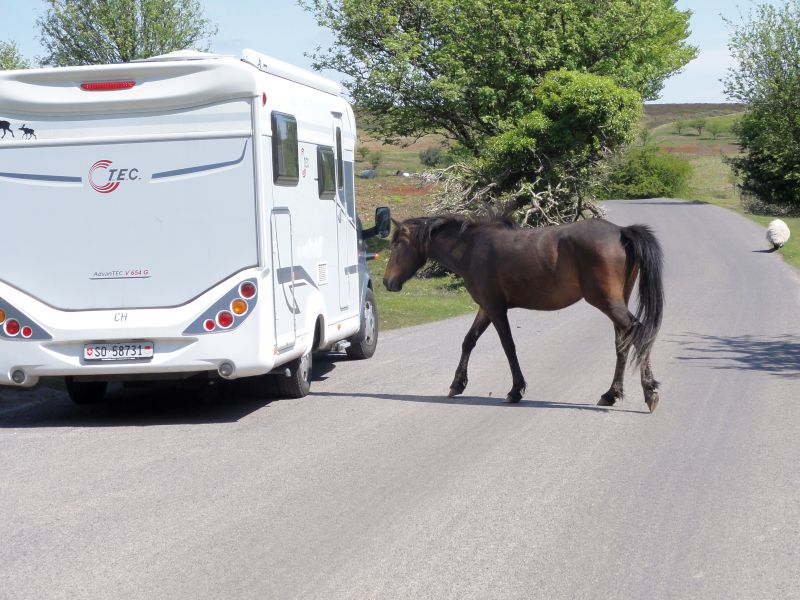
377 486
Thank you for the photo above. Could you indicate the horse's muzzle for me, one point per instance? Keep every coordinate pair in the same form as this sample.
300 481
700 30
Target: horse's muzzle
392 285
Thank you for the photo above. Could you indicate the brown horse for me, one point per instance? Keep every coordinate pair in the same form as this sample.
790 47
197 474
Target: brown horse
505 266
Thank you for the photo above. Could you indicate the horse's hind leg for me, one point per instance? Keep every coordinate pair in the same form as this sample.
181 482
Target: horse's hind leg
623 320
649 385
479 325
615 392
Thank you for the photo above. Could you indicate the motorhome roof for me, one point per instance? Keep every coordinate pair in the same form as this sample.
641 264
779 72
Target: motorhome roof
276 67
262 62
204 78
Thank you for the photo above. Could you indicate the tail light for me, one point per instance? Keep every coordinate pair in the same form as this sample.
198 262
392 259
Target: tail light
11 327
224 319
228 312
14 324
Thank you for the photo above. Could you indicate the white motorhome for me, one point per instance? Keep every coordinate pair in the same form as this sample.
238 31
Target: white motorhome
181 215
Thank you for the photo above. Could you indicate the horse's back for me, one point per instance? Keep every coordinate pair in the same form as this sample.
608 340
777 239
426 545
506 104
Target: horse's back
551 268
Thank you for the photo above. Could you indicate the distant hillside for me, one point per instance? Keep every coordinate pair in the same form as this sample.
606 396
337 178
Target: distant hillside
659 114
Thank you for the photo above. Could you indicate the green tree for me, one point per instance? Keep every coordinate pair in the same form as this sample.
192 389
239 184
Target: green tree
466 67
698 124
715 128
375 158
549 161
680 125
10 57
362 151
81 32
766 47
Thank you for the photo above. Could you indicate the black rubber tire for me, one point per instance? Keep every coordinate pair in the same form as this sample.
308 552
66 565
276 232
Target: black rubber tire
86 392
298 384
363 344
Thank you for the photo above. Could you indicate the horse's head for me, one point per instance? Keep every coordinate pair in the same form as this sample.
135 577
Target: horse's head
409 251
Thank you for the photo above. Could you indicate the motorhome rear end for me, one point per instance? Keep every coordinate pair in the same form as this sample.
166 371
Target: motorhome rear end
185 214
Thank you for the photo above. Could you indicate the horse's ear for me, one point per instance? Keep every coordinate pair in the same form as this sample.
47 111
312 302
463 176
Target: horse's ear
435 225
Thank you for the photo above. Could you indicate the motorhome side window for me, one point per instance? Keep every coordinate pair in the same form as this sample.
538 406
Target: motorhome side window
326 176
285 156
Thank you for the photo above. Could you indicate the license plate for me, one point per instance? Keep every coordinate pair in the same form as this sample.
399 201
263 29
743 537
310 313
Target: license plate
118 351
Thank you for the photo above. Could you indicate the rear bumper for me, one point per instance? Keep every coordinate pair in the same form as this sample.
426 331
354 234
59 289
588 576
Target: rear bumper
248 347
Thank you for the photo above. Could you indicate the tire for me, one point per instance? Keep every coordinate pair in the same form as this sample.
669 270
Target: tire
298 384
86 392
363 344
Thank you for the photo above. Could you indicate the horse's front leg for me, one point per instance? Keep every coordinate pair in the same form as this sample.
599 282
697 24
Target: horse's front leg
500 321
479 325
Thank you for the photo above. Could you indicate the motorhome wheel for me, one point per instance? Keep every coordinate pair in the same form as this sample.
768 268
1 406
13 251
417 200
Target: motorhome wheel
364 343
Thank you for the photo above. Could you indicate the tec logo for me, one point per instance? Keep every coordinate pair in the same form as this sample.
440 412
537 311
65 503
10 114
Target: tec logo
105 180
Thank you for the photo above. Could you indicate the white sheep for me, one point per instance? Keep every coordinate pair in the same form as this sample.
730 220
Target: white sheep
777 233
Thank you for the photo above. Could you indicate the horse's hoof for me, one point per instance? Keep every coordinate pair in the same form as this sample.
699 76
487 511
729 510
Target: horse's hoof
513 397
652 401
607 399
455 390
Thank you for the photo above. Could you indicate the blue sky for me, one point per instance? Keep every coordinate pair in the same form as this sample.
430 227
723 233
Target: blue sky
284 30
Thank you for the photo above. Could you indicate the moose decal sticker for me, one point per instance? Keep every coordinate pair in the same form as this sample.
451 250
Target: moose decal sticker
105 180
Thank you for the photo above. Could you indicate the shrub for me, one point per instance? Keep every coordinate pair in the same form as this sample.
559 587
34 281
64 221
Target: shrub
648 172
375 158
431 157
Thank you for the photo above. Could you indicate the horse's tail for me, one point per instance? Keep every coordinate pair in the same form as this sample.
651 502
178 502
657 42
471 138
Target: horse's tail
643 250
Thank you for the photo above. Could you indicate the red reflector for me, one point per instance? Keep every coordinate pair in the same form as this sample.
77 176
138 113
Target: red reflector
12 327
224 319
247 290
27 332
209 325
105 86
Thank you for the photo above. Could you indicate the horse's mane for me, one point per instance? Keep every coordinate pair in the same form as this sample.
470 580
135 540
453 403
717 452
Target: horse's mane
488 217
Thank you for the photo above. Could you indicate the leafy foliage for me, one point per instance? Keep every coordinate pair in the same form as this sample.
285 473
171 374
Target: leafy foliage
10 57
465 67
81 32
548 161
766 45
649 172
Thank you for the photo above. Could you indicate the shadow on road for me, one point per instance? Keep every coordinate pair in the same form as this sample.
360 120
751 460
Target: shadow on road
160 404
479 401
778 355
667 202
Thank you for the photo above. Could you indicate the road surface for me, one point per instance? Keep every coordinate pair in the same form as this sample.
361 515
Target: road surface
377 486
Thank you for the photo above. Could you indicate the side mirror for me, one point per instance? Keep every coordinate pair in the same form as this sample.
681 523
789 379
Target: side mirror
383 220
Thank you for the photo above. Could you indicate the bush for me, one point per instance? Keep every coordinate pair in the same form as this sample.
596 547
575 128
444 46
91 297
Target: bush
431 157
375 158
648 172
